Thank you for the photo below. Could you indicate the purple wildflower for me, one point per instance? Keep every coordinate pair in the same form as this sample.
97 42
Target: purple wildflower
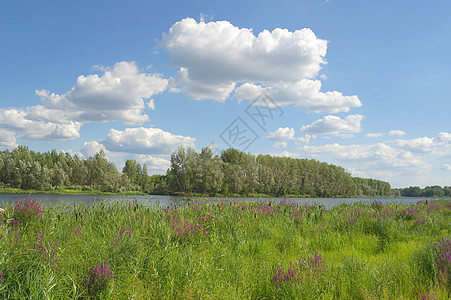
25 211
124 235
300 271
98 279
443 252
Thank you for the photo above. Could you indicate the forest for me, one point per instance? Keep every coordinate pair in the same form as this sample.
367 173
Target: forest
429 191
232 173
238 173
29 170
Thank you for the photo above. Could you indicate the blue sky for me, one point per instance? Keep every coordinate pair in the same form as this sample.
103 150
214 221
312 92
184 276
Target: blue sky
360 84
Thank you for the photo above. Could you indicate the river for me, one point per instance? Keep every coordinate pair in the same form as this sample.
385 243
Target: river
165 201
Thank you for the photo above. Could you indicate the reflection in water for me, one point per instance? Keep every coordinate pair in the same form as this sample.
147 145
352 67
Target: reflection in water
165 201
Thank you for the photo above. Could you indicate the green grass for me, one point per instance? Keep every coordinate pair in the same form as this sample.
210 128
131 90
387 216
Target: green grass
225 251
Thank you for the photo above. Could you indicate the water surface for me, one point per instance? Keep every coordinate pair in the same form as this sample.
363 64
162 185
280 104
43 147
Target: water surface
165 201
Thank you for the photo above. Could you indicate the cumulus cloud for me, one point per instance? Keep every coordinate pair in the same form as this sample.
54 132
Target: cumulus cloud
116 95
390 133
374 135
335 125
425 144
154 163
444 137
7 139
304 93
306 139
151 104
220 52
212 146
91 148
17 120
396 133
357 173
283 133
200 90
446 167
368 158
145 141
214 58
280 145
285 154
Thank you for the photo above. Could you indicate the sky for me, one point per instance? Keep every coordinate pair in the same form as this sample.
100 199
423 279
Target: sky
359 84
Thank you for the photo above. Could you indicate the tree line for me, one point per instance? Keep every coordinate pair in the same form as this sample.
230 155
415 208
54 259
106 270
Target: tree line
239 173
233 172
429 191
29 170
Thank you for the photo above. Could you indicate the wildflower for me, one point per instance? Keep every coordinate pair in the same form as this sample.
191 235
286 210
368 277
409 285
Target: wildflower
124 235
377 205
78 230
98 279
300 270
25 211
443 252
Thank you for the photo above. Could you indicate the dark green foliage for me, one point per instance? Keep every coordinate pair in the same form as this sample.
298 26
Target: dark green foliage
236 172
429 191
26 169
371 187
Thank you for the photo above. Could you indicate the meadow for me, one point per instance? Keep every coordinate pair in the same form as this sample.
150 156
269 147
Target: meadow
226 251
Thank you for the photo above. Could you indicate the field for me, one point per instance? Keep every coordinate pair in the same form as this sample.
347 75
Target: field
226 251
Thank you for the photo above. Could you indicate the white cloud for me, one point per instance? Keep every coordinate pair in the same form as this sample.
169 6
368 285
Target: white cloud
218 52
7 139
396 133
304 93
215 57
374 135
283 133
357 173
117 95
280 145
153 163
145 141
212 146
200 90
91 148
285 154
306 139
446 167
335 125
425 144
444 137
376 160
151 104
16 120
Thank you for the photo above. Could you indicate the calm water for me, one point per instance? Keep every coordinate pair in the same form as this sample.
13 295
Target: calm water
164 201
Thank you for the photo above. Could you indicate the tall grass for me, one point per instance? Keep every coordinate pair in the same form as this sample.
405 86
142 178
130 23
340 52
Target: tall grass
226 251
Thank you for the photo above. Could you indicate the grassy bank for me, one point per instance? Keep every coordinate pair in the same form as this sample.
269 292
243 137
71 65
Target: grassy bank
233 251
